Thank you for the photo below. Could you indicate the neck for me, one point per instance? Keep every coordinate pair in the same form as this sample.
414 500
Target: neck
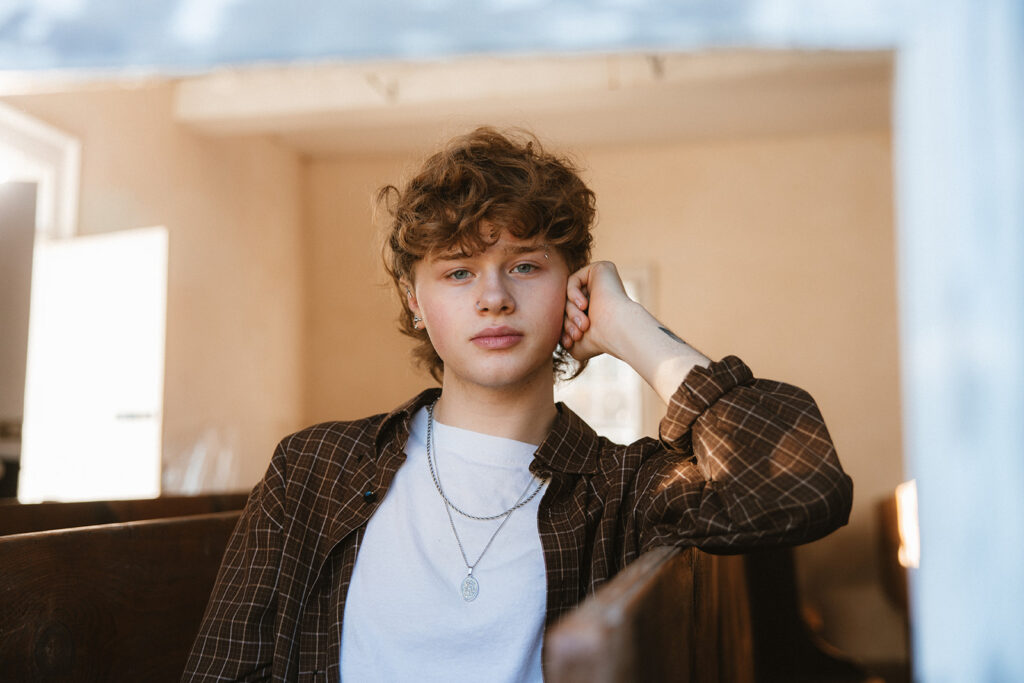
525 415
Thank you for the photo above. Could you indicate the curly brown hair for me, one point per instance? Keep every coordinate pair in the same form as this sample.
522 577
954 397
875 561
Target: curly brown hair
505 179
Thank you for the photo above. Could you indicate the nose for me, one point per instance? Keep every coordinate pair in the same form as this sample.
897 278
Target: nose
495 295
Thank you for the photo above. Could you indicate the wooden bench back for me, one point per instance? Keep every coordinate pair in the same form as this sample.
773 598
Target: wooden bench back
672 615
684 615
117 602
22 518
124 602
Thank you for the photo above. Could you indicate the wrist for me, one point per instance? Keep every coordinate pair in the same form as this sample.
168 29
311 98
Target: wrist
621 339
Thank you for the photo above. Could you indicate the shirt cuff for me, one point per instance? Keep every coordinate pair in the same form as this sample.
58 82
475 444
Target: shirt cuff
701 388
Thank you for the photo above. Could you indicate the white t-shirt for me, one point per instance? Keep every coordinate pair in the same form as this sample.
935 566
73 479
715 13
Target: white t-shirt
405 618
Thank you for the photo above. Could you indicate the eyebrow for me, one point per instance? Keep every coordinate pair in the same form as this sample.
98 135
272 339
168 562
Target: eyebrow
515 249
524 248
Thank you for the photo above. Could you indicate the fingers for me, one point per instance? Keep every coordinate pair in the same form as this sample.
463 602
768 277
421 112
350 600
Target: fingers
576 321
593 293
575 324
577 318
600 278
578 287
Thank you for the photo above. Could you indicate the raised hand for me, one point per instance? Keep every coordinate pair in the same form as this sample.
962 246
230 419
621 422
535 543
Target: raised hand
601 318
596 303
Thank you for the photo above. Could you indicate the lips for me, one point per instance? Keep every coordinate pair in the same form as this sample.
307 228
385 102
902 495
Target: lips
497 337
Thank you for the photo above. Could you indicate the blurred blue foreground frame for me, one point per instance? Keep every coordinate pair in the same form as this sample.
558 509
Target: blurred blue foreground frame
959 141
960 189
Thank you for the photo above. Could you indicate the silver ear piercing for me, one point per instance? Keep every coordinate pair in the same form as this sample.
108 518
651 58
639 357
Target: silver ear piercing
416 320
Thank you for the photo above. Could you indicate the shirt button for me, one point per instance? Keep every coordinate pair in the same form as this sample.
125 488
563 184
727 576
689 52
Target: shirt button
369 496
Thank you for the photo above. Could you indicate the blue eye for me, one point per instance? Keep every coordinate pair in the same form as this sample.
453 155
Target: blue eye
460 274
524 268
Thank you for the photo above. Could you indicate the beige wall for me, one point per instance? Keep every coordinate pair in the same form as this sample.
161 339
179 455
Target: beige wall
356 361
235 276
779 250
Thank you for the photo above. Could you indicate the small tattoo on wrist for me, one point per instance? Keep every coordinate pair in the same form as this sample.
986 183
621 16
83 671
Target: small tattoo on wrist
671 334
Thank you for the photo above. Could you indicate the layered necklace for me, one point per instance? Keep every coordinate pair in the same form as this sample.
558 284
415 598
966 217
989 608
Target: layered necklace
470 587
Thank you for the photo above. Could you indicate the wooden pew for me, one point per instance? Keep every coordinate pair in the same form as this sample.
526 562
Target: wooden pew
21 518
124 602
672 615
684 615
117 602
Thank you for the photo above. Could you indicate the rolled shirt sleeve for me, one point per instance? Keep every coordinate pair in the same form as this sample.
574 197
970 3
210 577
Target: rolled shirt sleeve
746 462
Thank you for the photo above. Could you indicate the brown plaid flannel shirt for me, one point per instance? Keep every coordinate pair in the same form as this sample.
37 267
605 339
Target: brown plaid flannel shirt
741 462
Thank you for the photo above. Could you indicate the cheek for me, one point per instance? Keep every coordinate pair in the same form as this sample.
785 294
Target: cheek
440 327
554 315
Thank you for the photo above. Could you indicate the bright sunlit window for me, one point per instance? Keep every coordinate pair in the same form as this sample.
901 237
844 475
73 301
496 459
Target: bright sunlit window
906 518
94 378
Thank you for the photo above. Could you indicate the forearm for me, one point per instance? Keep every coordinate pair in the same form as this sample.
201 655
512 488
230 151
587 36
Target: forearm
654 351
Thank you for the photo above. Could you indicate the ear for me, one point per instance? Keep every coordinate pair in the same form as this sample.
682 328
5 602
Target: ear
410 296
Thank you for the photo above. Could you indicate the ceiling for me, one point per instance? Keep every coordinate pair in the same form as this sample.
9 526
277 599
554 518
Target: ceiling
332 109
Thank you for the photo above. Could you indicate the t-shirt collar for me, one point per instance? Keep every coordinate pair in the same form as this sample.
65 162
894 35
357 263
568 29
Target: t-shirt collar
571 445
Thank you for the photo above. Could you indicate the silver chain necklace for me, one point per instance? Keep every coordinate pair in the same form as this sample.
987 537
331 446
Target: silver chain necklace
470 587
437 480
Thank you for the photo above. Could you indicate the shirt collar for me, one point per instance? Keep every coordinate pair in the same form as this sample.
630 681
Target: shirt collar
571 445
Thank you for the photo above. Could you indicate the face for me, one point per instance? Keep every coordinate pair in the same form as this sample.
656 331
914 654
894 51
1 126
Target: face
494 317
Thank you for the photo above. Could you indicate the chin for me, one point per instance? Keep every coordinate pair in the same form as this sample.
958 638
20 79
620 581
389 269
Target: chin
508 378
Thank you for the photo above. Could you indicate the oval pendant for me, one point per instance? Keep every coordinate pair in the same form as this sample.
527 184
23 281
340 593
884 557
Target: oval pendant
470 588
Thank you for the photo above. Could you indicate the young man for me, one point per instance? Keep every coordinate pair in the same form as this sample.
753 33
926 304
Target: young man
439 541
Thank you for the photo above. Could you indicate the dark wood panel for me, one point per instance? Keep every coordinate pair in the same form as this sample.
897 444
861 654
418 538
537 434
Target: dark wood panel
785 648
731 648
18 518
116 602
